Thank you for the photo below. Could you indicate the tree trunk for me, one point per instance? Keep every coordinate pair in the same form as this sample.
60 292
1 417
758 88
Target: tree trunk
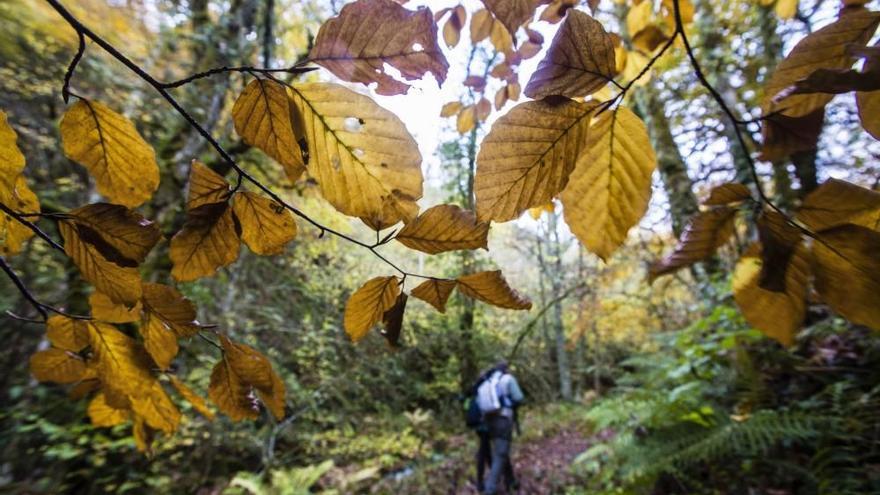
562 361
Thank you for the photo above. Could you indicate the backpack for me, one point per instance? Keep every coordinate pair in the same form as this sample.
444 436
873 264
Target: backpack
473 417
488 398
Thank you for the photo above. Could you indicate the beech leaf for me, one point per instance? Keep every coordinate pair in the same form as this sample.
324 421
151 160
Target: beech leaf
435 292
490 287
368 304
837 202
444 228
702 236
266 226
208 240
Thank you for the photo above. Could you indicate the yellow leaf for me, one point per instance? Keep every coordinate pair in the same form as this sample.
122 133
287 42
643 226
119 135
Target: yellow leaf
501 38
837 202
435 292
491 288
197 401
254 370
822 49
450 109
512 13
205 187
117 278
367 34
500 98
67 333
110 147
481 25
120 362
262 117
266 226
367 305
273 397
208 241
106 310
231 396
11 158
703 235
159 341
786 9
467 119
57 365
778 314
639 17
635 63
168 304
362 154
143 435
12 233
156 409
444 228
847 272
649 38
609 189
537 211
105 415
452 31
126 234
527 157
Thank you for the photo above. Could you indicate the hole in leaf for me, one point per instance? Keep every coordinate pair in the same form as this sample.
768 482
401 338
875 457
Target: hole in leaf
358 152
417 47
353 124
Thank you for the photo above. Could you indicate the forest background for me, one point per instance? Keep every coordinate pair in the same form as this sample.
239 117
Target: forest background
665 385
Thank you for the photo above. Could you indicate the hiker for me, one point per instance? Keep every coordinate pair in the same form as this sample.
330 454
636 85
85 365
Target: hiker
475 420
498 396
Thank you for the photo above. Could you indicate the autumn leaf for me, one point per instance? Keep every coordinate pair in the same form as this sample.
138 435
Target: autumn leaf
248 368
528 156
393 320
825 48
172 308
125 232
108 311
197 401
13 234
847 272
786 9
110 147
784 135
490 287
120 362
466 120
67 333
262 117
450 109
779 239
11 158
231 396
155 407
367 34
609 190
367 305
208 240
579 62
159 341
704 234
444 228
363 155
103 414
118 278
57 365
726 194
481 25
512 13
266 226
837 202
435 292
868 102
639 17
778 315
205 186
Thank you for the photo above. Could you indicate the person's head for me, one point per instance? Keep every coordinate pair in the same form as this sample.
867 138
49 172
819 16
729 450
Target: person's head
502 366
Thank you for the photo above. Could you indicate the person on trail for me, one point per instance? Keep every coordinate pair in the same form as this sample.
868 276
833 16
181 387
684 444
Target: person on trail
476 421
498 396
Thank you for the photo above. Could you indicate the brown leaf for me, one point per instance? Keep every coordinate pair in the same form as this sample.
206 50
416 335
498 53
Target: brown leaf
779 239
491 288
527 157
450 109
262 117
108 311
703 235
725 194
197 401
208 240
205 186
869 101
512 13
367 34
159 341
580 60
555 12
121 283
57 365
444 228
67 333
847 272
784 135
105 415
253 369
435 292
266 226
171 307
393 320
779 315
126 232
837 202
232 397
157 410
368 304
481 25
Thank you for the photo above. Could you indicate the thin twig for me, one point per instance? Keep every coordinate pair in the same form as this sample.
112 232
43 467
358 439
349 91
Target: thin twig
65 89
23 289
295 70
27 223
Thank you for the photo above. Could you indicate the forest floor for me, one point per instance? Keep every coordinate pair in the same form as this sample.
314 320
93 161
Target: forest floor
542 458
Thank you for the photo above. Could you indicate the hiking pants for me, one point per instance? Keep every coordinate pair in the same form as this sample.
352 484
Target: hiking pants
500 435
484 457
